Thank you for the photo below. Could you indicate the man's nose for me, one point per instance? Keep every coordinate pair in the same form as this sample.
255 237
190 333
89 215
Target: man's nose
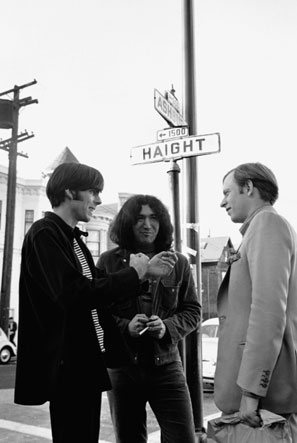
223 203
98 200
147 222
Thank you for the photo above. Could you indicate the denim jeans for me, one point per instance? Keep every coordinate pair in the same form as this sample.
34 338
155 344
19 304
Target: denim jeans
165 389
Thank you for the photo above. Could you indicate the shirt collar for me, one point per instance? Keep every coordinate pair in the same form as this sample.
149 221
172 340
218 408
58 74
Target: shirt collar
247 222
69 231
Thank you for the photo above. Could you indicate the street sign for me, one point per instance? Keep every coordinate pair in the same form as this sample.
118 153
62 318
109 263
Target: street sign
176 149
167 110
168 133
172 100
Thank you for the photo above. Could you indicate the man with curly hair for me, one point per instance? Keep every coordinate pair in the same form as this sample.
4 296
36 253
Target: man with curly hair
151 327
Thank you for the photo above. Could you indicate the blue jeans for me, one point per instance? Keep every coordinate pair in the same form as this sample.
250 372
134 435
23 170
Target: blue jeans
165 389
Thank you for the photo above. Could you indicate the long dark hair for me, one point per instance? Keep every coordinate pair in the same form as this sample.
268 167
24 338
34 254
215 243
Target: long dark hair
121 231
72 176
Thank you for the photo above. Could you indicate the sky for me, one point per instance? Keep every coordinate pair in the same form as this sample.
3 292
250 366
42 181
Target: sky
97 63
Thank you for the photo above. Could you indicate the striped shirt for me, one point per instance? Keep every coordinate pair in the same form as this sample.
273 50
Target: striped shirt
87 273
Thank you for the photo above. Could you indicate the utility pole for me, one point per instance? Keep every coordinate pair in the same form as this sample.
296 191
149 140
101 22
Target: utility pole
10 145
193 340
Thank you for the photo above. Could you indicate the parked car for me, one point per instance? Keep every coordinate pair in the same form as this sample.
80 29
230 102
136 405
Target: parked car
209 336
7 349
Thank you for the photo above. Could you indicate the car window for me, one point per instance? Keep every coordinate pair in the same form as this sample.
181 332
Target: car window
209 330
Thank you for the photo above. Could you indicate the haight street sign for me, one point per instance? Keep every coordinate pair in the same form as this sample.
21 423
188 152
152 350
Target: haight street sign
176 149
167 110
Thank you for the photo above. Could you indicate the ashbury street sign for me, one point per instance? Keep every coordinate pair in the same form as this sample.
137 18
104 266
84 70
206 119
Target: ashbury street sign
168 110
176 149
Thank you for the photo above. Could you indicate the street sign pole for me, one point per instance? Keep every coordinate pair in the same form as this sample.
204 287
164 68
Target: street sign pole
173 173
193 340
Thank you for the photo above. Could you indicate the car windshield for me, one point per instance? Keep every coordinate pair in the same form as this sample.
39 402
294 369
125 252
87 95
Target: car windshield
209 330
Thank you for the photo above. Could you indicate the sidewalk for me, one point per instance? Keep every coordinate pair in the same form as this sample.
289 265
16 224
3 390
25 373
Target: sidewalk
31 424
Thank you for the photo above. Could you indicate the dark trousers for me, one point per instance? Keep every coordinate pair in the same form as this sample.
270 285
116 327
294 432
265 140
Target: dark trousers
165 389
75 416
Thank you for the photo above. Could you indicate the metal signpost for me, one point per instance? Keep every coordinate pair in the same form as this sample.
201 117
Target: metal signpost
175 143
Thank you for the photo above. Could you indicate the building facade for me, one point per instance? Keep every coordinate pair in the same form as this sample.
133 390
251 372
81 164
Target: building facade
215 253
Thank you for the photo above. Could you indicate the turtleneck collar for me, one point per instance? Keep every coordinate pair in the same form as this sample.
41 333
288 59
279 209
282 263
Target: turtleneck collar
148 249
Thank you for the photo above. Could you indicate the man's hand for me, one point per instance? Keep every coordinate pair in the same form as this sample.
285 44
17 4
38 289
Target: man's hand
161 264
140 263
137 324
249 411
156 327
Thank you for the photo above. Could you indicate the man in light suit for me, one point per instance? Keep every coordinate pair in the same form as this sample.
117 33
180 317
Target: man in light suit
257 304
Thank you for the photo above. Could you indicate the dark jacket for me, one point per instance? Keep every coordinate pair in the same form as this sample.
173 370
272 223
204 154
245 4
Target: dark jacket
56 331
175 301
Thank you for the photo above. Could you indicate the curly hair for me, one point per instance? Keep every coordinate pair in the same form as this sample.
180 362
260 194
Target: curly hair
121 231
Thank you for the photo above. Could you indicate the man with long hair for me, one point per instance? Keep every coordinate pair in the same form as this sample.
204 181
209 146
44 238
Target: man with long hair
151 327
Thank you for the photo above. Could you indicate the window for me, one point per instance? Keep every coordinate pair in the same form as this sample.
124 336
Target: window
29 218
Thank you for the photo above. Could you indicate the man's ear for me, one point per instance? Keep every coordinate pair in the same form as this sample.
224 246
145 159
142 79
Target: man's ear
249 187
69 194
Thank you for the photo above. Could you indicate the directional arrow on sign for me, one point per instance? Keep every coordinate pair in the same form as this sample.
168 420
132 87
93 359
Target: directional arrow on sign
169 133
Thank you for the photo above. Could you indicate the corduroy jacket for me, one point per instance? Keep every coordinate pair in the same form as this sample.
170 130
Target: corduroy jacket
56 331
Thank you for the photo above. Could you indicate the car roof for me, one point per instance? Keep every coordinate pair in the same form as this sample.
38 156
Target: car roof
211 321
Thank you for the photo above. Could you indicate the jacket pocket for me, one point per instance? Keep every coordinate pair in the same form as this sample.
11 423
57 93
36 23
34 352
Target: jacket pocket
168 295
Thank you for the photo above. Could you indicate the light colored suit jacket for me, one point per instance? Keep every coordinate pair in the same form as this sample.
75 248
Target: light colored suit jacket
257 308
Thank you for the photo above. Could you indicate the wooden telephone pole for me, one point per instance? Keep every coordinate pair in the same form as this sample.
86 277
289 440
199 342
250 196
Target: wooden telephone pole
11 121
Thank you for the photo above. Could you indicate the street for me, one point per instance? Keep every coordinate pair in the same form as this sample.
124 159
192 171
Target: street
16 421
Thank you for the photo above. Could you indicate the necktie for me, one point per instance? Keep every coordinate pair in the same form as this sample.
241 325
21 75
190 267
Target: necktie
87 273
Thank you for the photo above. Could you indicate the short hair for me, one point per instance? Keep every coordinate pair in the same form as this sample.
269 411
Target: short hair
122 233
262 177
72 176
